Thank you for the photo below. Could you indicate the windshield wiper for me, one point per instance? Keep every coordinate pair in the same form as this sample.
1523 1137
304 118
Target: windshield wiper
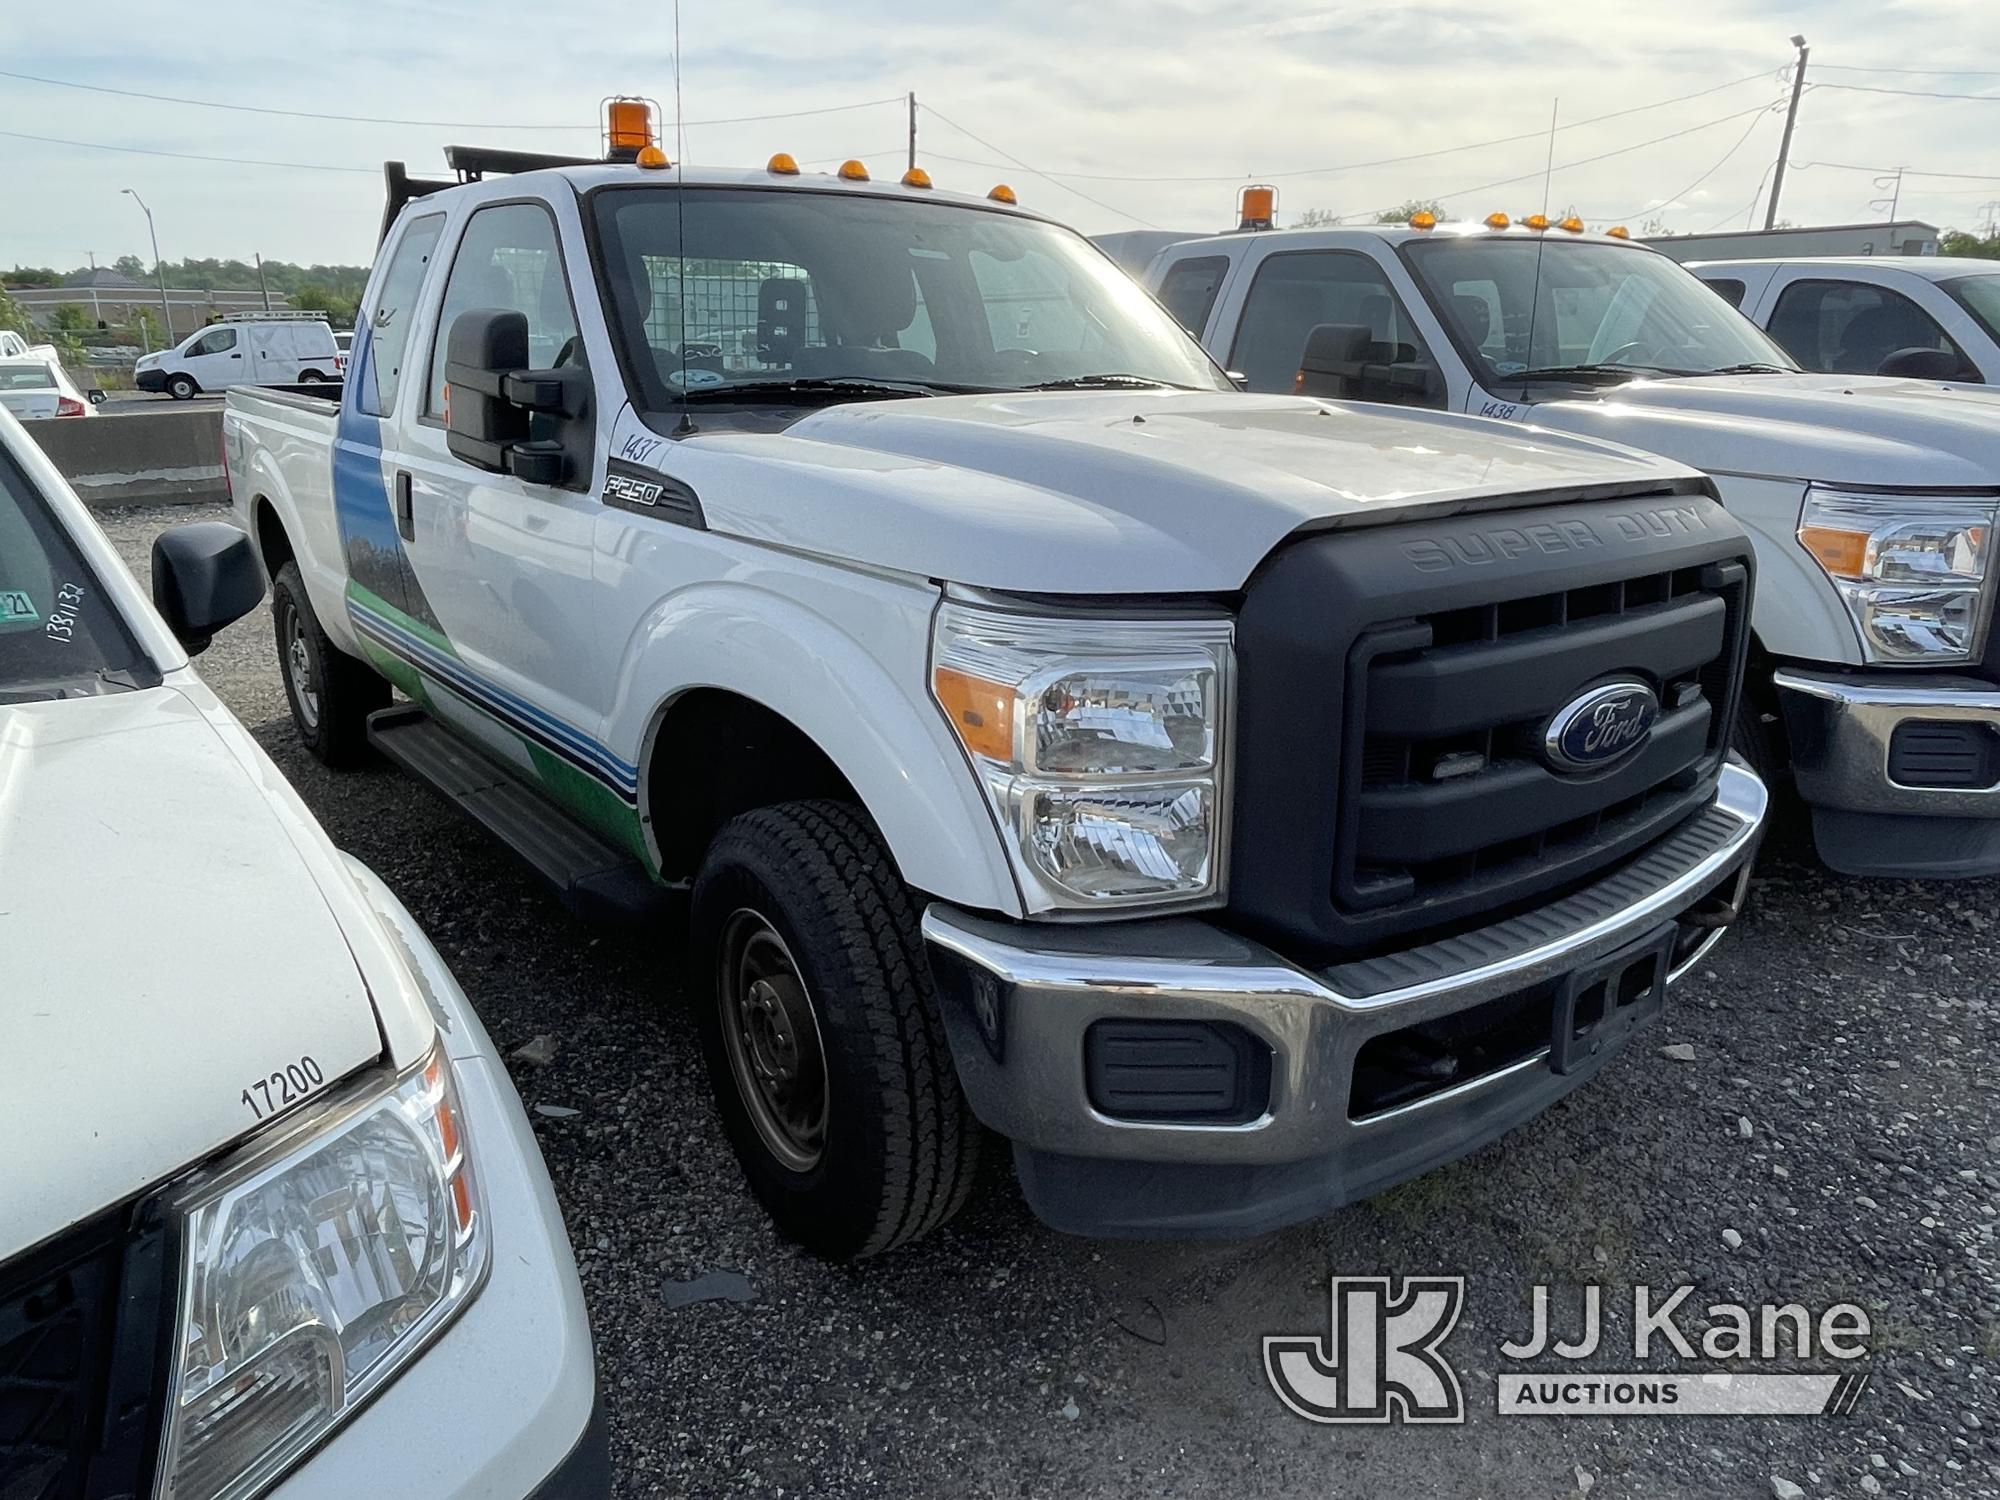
1585 372
1111 381
1752 367
813 385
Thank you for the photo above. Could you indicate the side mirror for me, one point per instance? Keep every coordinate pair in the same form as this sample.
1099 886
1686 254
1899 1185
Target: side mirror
1336 365
490 393
1922 364
1238 379
205 576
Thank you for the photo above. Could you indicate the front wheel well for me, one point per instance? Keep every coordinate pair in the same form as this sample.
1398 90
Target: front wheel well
716 754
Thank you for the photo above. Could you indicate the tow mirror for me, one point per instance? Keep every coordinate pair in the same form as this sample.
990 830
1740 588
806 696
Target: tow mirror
1920 363
1336 364
490 394
205 576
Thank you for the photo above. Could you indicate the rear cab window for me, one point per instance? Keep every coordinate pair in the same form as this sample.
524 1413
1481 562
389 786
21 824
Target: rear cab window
1189 288
395 310
1728 288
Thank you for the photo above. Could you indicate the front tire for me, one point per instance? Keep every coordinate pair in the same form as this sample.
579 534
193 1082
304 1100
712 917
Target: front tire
825 1047
181 387
330 693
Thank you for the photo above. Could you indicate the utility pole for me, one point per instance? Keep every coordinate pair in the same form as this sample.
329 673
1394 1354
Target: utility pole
259 258
159 266
1895 186
95 315
913 130
1791 119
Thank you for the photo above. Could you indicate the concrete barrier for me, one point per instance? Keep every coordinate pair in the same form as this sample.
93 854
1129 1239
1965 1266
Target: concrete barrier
171 457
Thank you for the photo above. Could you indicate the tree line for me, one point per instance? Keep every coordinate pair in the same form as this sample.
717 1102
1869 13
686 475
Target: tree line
335 289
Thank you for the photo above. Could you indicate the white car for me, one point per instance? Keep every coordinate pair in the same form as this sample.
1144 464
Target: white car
1237 803
245 349
35 386
1936 316
1875 675
272 1220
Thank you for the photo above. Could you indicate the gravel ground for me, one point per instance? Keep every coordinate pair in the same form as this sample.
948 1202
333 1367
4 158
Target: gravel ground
1838 1114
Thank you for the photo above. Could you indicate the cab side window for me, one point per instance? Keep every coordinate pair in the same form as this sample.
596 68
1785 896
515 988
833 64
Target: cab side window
395 310
1301 290
218 341
1728 288
1189 287
1850 327
510 258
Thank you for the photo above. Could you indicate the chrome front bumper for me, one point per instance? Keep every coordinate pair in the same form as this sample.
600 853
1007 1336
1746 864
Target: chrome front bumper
1840 728
1018 1030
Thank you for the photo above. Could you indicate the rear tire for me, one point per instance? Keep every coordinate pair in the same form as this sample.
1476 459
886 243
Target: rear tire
825 1047
330 693
313 377
181 387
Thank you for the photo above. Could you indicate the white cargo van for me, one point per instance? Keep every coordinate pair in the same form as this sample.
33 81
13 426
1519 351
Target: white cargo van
257 349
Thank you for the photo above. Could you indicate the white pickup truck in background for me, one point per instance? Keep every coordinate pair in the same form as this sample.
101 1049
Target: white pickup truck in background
1875 677
271 1213
1937 316
1238 803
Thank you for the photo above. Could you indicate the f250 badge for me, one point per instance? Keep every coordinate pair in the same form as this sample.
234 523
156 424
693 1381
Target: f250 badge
1606 723
647 492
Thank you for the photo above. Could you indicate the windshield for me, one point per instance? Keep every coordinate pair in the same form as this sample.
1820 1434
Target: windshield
1589 304
59 632
788 287
1980 296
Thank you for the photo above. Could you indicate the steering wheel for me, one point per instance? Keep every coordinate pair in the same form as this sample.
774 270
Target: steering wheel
1618 354
1024 360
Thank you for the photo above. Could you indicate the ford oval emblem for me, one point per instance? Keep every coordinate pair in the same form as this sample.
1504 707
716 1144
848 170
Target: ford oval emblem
1605 724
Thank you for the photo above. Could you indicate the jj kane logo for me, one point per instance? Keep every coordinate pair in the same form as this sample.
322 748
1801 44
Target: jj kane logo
1382 1358
1380 1361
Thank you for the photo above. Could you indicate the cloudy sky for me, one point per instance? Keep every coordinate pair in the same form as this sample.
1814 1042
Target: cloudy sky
1142 112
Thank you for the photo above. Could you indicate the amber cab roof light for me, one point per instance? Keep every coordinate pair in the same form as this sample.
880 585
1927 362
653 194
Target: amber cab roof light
1423 218
628 127
1497 221
1257 207
853 171
1003 194
782 165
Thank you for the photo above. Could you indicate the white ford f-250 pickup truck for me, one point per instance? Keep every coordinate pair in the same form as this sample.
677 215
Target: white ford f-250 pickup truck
1875 672
272 1220
1239 803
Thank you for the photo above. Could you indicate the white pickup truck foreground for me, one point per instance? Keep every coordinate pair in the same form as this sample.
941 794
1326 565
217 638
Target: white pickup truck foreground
272 1221
1875 673
1239 803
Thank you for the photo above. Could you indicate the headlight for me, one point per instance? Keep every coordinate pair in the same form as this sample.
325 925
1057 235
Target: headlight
1101 747
312 1271
1912 569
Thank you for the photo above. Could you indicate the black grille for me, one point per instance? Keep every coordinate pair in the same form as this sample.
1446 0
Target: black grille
1395 684
81 1332
1453 807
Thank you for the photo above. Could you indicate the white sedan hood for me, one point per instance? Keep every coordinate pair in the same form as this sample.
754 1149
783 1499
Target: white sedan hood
1146 492
166 947
1837 429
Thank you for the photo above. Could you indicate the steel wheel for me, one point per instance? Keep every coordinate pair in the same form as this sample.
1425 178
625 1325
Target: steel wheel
771 1038
299 670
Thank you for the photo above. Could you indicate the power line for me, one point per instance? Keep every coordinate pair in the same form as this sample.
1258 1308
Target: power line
1868 88
1390 161
235 161
1915 72
1008 155
1590 160
1741 142
1848 166
303 114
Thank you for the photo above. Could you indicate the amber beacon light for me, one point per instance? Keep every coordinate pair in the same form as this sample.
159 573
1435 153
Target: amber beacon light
1257 207
628 128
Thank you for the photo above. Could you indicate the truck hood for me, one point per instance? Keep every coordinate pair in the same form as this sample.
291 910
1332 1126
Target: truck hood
1143 492
1836 429
166 947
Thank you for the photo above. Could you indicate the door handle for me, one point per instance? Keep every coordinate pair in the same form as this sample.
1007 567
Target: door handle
406 516
235 356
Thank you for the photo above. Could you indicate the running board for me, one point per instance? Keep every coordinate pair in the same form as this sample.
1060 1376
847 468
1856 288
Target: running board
595 879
